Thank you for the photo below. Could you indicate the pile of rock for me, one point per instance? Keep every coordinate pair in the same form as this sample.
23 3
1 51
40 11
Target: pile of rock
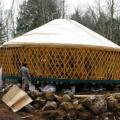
68 107
6 114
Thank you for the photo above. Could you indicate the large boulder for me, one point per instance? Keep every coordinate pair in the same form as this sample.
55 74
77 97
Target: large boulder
112 103
34 94
58 98
107 115
66 98
49 96
71 115
96 104
75 104
39 102
81 108
50 105
66 106
85 115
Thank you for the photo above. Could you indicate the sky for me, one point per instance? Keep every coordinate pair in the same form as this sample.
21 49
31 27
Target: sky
70 4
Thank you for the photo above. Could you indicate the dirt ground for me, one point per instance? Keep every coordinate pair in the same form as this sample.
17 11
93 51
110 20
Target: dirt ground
28 114
34 114
87 110
7 114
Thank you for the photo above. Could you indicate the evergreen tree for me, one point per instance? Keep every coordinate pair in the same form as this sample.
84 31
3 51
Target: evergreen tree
34 13
2 33
2 28
76 16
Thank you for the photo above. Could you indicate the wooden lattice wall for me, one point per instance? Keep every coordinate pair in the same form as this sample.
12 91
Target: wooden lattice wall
83 63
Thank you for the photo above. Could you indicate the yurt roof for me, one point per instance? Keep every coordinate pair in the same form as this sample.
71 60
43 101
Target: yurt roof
61 32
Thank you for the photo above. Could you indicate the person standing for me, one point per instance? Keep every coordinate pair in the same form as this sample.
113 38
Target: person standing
25 77
1 82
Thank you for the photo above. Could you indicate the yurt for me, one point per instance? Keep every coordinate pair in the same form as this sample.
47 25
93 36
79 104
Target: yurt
62 50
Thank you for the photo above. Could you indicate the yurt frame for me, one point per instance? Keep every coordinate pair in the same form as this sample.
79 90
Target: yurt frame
66 63
62 50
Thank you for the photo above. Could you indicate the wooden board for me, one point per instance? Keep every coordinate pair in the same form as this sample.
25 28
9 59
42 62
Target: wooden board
16 98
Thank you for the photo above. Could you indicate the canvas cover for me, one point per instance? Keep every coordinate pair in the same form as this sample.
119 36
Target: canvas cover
61 32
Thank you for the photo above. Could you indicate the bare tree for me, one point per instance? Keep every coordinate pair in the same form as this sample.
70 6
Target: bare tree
2 27
111 11
62 7
114 21
102 18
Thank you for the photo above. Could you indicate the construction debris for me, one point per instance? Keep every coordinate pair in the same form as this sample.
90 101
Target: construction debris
89 107
16 98
51 106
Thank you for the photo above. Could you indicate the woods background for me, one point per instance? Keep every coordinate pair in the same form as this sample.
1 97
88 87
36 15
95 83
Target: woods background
101 18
